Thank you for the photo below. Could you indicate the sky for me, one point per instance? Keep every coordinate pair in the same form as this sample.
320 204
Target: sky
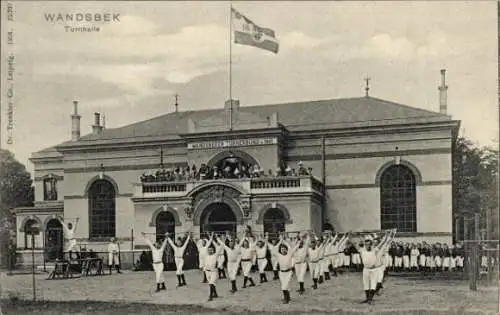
131 69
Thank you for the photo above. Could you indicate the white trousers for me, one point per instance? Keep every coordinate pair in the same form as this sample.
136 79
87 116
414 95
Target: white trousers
314 270
380 274
113 259
430 262
438 261
158 268
347 260
335 260
406 261
274 262
370 277
285 277
422 260
398 262
179 264
71 244
262 263
212 276
460 262
232 269
453 262
321 266
245 267
356 259
325 263
446 262
220 261
413 261
388 261
201 261
300 271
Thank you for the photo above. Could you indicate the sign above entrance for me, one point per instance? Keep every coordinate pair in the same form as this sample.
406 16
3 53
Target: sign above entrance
231 143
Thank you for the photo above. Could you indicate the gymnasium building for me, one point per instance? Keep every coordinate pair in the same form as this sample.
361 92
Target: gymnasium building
342 164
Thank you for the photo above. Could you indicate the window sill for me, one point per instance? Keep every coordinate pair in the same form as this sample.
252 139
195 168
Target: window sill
27 250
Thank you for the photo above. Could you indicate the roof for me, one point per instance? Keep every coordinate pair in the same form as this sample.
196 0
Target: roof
294 116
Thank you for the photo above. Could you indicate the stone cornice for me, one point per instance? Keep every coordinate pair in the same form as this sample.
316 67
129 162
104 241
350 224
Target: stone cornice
130 143
49 204
370 130
37 210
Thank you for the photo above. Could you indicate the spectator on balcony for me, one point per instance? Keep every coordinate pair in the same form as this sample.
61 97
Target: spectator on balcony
244 171
302 169
294 173
203 172
194 172
237 173
309 171
277 172
216 173
288 171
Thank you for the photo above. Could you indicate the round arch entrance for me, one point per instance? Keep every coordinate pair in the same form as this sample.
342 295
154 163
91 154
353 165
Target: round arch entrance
218 217
165 222
54 240
274 221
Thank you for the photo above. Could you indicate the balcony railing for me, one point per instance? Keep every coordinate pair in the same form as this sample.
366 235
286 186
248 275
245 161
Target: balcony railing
261 185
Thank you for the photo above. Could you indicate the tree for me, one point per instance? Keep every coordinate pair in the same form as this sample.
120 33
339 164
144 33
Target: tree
475 184
15 191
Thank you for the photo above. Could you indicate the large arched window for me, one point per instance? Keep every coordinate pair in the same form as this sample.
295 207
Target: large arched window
102 216
398 199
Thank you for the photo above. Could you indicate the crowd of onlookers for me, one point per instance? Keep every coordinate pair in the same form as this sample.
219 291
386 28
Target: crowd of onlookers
224 170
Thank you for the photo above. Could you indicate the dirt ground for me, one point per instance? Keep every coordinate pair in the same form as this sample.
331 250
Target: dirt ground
133 293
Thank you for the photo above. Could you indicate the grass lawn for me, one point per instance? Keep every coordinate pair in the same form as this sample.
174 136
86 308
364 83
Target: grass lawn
133 293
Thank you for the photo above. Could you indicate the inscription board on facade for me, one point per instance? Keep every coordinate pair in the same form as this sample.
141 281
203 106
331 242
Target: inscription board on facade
232 143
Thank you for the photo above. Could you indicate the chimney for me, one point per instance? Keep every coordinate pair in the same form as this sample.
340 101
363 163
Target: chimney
75 123
97 128
103 121
443 93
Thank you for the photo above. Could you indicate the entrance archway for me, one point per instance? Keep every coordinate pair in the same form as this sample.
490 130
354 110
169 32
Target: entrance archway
165 222
54 240
218 217
274 222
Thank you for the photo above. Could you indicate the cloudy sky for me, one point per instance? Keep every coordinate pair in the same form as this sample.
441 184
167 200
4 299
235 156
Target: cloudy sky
131 69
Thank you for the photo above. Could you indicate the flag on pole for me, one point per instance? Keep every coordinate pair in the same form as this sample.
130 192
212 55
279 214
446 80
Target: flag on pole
248 33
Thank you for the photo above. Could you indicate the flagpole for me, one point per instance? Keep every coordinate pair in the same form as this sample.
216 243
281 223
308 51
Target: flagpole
230 66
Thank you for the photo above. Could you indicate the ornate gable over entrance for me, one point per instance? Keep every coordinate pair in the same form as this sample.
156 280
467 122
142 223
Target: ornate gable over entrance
239 203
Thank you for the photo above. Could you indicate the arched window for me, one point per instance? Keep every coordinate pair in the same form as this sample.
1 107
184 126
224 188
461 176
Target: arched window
50 189
29 232
102 214
398 199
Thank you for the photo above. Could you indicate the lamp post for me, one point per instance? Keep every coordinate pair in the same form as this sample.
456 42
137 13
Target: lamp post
34 229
